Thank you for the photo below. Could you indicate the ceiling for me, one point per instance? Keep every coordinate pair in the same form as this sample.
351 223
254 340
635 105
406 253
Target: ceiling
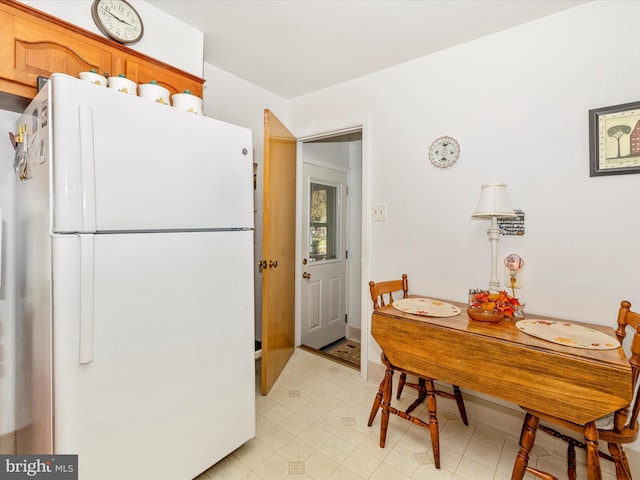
294 47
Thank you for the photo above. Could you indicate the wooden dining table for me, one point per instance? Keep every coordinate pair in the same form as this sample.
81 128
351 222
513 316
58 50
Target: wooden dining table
498 359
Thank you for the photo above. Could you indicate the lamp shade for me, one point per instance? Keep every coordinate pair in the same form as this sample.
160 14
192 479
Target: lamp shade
493 202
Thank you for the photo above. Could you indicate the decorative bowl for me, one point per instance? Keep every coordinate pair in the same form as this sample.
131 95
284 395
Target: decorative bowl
480 315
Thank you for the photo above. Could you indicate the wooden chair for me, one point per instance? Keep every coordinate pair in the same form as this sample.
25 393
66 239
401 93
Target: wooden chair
425 386
616 429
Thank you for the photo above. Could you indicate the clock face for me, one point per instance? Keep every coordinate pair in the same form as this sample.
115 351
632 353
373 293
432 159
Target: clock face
444 152
117 20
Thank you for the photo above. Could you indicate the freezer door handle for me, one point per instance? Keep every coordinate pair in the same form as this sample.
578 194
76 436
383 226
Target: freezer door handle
87 160
86 297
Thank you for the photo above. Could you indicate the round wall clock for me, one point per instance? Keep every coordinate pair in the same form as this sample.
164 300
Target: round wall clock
117 20
444 152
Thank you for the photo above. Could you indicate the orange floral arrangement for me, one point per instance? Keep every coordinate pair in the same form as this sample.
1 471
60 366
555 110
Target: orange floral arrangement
495 302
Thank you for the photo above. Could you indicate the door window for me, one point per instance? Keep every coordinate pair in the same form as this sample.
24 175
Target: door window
323 222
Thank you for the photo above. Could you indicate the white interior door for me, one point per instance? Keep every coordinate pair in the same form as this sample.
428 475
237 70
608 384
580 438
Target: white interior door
324 283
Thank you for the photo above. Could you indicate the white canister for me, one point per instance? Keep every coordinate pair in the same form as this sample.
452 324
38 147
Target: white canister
188 102
94 77
154 92
122 84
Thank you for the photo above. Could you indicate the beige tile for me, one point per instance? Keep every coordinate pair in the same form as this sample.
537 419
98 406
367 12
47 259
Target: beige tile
275 437
402 460
229 468
330 421
371 445
313 426
342 473
388 472
449 459
337 449
273 468
312 412
429 472
472 470
315 435
295 423
296 450
486 454
252 453
319 466
361 463
353 434
277 413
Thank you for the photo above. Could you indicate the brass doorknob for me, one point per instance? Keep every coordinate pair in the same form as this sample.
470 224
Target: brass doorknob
273 263
306 275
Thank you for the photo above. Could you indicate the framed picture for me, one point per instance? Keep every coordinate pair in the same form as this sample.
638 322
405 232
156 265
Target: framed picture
614 140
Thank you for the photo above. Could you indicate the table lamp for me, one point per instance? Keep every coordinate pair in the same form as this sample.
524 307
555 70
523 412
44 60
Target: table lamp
493 204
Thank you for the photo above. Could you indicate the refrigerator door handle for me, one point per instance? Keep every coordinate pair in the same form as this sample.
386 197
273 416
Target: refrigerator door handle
87 161
87 248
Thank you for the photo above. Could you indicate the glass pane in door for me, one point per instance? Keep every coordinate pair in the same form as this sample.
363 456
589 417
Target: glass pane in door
323 222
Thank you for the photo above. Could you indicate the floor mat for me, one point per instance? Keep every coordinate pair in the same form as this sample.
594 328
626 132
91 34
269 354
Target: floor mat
348 351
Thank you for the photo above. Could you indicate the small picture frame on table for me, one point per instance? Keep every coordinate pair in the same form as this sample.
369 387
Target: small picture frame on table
614 140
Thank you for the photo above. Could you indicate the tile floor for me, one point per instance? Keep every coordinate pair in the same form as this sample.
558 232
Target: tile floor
313 425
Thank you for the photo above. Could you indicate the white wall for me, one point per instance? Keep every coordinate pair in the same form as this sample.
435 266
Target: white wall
182 48
518 104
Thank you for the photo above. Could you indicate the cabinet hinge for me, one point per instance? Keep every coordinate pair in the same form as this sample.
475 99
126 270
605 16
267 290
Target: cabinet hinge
345 318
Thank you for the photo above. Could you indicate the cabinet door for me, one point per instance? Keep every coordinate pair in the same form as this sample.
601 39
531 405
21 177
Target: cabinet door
30 47
175 82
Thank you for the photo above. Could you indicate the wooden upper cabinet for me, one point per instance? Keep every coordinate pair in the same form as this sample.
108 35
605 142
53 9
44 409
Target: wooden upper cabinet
34 44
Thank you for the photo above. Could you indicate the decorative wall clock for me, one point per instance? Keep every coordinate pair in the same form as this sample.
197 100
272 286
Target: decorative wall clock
117 20
444 152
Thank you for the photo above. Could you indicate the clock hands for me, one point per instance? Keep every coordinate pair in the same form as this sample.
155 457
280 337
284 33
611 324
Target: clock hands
116 17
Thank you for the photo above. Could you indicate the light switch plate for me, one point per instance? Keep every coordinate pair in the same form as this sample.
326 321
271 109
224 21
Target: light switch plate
379 212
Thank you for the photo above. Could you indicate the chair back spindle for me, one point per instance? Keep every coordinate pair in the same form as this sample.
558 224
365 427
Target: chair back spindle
379 290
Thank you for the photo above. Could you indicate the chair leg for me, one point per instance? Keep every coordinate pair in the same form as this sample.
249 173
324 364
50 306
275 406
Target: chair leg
433 421
403 379
422 394
623 469
386 403
377 401
460 402
527 439
571 460
593 459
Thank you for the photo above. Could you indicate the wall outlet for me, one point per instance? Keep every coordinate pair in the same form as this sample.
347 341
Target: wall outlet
379 212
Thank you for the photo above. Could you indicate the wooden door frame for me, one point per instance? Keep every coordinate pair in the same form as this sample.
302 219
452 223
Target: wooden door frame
365 304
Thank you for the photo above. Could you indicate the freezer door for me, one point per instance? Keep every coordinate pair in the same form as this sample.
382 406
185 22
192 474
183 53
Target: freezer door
123 163
154 362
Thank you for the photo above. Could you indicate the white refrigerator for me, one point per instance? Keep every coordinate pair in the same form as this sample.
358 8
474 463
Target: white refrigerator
135 317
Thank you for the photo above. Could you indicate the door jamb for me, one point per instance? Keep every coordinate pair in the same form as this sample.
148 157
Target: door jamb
365 268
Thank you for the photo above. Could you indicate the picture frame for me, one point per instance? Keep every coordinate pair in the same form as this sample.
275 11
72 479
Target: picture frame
614 140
